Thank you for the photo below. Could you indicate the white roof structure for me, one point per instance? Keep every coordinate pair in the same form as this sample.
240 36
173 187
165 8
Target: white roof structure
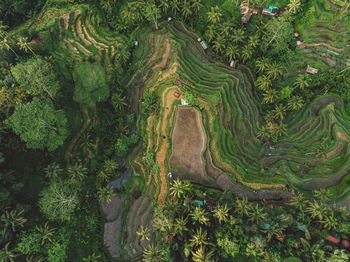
183 102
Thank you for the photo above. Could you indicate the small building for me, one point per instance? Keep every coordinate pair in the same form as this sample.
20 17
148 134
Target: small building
136 43
333 240
301 227
271 11
233 64
170 18
204 45
183 102
299 43
311 70
176 94
345 244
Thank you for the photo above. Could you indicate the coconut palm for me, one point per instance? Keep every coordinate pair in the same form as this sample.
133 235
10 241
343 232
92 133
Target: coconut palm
218 44
85 141
270 96
23 45
232 52
280 129
45 233
214 15
211 32
200 255
295 103
254 252
253 41
8 255
242 207
92 258
226 28
199 238
264 132
279 111
270 116
175 6
262 64
329 222
53 170
105 194
110 165
238 36
77 172
263 82
179 188
302 81
13 218
299 202
293 6
221 213
186 10
144 232
164 5
5 43
200 215
196 5
152 254
256 214
274 70
180 225
34 258
246 53
317 209
118 102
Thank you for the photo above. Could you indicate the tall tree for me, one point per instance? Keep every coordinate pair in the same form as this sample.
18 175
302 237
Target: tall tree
46 233
221 213
293 6
53 170
196 5
7 254
263 82
39 124
152 14
302 81
270 96
214 15
200 215
13 218
36 76
179 188
274 70
186 9
295 103
199 238
23 44
200 255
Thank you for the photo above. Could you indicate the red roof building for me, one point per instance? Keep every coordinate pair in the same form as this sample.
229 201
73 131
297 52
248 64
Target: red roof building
333 240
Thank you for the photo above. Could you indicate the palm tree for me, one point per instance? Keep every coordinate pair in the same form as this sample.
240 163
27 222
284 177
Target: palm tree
279 111
329 222
13 219
299 202
144 232
77 172
34 258
302 81
118 102
221 213
256 214
238 36
270 116
262 64
214 15
23 45
5 43
104 176
152 254
186 9
179 188
295 103
45 233
7 255
85 141
270 96
110 166
175 6
164 5
247 53
92 258
200 255
263 82
180 225
317 209
218 44
105 194
280 129
274 70
226 28
211 32
200 215
264 132
253 251
293 6
196 5
242 207
232 52
253 41
199 238
53 170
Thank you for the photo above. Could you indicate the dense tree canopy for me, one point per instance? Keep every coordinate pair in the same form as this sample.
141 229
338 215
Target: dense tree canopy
90 84
39 124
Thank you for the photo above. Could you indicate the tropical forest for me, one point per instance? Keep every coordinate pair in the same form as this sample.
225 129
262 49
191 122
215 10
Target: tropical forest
175 130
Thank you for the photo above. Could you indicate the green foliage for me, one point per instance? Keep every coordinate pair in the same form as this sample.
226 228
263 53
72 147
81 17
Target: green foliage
229 248
39 124
58 201
150 102
123 144
36 77
90 84
191 100
29 243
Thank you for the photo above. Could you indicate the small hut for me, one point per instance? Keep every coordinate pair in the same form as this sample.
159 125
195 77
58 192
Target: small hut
204 45
183 102
233 64
245 11
311 70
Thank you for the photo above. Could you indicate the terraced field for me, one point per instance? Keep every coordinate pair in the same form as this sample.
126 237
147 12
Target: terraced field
326 40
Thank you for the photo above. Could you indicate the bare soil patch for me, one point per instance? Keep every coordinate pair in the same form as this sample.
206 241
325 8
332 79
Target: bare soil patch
166 56
110 210
112 235
341 135
187 145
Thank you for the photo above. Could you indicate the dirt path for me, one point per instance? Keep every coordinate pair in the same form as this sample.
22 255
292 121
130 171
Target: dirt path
303 45
168 99
166 56
341 135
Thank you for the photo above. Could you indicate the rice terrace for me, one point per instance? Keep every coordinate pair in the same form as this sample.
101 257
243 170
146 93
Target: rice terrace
175 130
